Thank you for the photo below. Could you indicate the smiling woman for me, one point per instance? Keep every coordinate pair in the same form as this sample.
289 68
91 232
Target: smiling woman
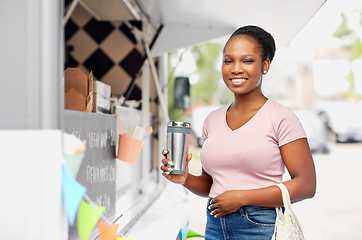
242 65
246 146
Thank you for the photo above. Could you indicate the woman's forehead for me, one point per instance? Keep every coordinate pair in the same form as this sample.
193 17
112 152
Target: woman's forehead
241 44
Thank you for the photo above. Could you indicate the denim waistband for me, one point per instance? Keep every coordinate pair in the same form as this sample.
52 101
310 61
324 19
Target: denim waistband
247 208
253 208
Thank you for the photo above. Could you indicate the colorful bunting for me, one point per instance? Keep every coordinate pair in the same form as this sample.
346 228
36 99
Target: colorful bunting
73 193
182 234
192 234
73 162
107 231
88 213
186 233
88 216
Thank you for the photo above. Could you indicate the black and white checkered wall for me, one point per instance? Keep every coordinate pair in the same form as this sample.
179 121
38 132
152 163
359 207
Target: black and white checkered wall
109 49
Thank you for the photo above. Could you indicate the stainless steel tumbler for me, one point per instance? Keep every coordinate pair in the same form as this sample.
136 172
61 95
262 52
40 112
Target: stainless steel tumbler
178 143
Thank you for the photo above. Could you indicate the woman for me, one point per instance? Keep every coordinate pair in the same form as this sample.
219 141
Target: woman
246 147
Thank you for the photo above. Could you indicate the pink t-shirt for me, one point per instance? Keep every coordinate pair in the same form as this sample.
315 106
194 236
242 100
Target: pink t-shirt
248 157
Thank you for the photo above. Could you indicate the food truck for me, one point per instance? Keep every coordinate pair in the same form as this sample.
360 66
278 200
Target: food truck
120 50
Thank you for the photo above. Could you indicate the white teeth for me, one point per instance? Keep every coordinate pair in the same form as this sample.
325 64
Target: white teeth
238 80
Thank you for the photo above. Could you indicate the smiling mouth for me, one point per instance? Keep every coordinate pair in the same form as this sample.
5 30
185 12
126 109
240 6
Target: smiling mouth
238 80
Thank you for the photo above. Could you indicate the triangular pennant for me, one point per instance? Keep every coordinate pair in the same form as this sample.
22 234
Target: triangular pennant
185 231
107 231
179 235
73 162
73 193
88 216
193 234
182 233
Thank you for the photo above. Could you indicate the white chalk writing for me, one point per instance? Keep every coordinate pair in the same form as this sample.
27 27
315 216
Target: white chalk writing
104 174
101 139
104 200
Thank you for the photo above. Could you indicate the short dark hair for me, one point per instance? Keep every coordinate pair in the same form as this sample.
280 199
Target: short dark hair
263 38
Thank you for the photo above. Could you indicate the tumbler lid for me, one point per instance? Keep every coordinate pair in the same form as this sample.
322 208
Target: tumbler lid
179 124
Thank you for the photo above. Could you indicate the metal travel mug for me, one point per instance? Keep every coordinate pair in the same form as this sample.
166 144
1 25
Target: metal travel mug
178 143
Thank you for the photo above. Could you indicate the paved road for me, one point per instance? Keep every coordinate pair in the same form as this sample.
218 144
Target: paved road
335 213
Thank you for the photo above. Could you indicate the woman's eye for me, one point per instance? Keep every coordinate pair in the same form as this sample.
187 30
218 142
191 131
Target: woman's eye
249 61
227 61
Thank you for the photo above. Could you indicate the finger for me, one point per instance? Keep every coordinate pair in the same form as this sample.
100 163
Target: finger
213 206
216 213
167 162
166 169
213 200
219 215
167 175
165 152
188 157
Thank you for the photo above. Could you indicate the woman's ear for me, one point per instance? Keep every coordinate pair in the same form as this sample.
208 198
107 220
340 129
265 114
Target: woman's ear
266 65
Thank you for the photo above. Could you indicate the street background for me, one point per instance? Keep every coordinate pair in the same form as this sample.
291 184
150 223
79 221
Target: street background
335 211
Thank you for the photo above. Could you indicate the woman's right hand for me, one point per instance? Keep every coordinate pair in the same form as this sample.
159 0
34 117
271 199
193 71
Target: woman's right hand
168 167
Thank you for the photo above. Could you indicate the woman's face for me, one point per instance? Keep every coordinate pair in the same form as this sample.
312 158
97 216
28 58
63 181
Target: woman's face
242 65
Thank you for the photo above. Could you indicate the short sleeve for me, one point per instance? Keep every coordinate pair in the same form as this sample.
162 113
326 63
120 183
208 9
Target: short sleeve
205 129
289 128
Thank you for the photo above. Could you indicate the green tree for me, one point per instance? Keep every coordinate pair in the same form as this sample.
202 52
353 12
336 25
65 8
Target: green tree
206 57
209 88
352 42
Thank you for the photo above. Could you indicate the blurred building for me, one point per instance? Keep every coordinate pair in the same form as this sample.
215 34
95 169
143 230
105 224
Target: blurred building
307 75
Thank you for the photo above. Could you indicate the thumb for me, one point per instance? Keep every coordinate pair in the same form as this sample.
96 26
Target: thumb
188 158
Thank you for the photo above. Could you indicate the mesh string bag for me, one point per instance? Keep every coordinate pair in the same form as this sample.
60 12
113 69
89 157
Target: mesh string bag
287 226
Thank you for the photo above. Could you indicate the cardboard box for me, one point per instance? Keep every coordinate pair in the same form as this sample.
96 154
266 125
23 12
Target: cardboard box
78 90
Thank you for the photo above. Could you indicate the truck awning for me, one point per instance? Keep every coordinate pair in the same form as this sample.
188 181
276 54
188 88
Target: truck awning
190 22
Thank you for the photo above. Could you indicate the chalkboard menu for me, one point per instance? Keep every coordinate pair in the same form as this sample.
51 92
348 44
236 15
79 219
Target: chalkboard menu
98 169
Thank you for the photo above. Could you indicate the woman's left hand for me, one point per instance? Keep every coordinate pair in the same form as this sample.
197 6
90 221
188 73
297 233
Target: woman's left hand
225 203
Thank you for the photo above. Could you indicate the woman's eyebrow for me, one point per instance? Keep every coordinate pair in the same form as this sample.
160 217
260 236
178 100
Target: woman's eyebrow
244 55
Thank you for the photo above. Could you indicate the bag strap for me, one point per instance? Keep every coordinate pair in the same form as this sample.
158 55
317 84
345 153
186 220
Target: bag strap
285 195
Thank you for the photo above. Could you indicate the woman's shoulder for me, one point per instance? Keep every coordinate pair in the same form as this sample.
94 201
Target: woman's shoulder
222 109
219 110
274 104
278 108
277 112
286 124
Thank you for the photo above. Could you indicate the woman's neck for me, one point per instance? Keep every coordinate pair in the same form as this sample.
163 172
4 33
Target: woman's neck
245 103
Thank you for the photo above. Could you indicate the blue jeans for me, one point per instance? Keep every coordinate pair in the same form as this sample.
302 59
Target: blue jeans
249 222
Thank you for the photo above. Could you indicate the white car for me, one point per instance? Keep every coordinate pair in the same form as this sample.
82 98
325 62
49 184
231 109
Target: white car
344 119
315 130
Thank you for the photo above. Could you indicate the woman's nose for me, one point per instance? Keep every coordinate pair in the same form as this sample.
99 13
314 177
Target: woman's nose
237 68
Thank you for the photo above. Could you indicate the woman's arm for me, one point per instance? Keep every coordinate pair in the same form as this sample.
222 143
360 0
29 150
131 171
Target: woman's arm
299 162
200 185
